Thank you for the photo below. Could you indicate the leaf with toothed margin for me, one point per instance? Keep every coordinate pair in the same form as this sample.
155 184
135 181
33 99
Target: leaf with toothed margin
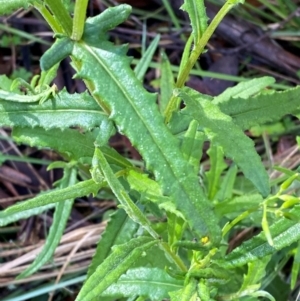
262 108
50 197
61 111
134 110
72 144
6 7
221 130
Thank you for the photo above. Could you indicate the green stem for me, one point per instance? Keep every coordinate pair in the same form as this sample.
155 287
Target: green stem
61 14
173 104
55 26
198 49
79 19
176 259
128 205
242 216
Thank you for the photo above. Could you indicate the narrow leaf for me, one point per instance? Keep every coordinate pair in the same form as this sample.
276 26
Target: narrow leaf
203 290
119 230
143 64
221 130
256 271
198 17
239 204
187 293
262 108
146 186
69 142
217 166
167 82
244 89
175 230
61 14
62 111
284 232
6 219
151 191
60 218
116 264
79 19
100 163
53 196
295 267
192 144
227 184
7 7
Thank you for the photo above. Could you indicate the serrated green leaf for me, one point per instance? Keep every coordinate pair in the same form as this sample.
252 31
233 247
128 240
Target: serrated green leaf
256 272
238 204
100 163
53 196
203 290
151 190
284 232
135 112
217 166
8 6
197 14
119 261
96 27
262 108
170 207
62 111
143 184
187 293
221 130
60 218
68 142
119 230
5 82
152 283
13 217
244 89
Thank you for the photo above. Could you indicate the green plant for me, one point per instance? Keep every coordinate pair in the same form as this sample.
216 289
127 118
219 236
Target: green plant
182 256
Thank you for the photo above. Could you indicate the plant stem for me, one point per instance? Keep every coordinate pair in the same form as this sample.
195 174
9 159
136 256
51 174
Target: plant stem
176 259
198 49
55 26
79 19
196 52
61 15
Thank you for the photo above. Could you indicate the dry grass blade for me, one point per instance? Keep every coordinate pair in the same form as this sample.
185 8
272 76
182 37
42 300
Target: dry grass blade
84 238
